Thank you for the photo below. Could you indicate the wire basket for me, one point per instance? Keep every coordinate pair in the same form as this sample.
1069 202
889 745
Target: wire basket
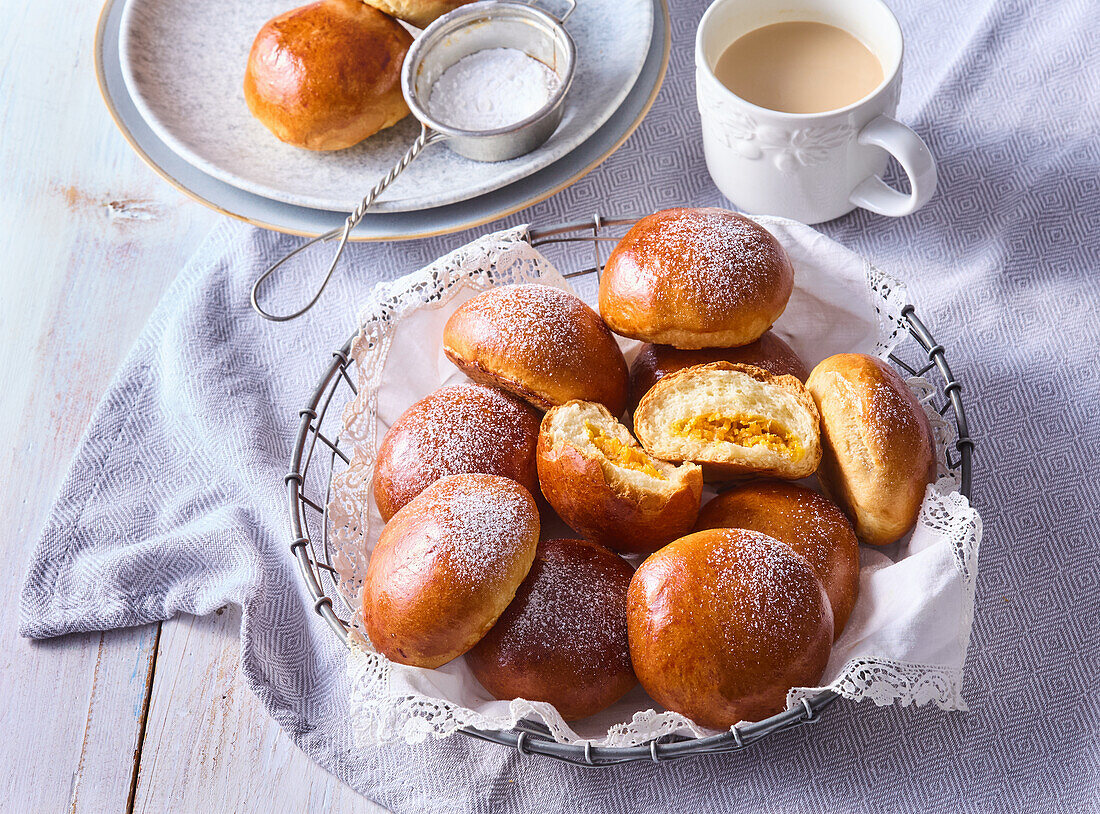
310 527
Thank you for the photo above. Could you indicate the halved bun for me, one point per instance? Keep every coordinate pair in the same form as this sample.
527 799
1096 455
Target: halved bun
603 484
733 419
654 362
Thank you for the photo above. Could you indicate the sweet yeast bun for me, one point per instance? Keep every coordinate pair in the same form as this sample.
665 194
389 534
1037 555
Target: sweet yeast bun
878 443
327 75
446 567
417 12
563 639
695 278
654 362
733 419
541 343
603 484
455 430
723 622
809 523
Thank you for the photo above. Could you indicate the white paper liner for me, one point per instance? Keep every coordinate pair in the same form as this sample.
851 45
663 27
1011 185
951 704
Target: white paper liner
906 639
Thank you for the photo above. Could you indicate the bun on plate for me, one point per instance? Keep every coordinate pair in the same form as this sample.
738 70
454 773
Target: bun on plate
733 419
420 13
723 622
539 342
809 523
563 639
878 443
327 75
603 484
695 278
446 567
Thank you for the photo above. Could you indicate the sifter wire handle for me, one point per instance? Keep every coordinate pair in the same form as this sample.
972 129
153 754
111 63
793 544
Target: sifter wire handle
425 138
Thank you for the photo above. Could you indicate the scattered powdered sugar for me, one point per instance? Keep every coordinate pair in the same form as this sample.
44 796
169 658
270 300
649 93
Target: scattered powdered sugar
481 525
538 323
490 89
726 258
573 604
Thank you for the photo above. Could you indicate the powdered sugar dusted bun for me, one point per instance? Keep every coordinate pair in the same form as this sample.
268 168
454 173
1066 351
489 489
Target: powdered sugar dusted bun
541 343
603 484
446 567
732 419
654 362
809 523
563 639
723 622
878 444
695 278
455 430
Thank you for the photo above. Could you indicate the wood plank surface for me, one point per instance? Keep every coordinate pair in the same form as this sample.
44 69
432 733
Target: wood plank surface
210 746
89 239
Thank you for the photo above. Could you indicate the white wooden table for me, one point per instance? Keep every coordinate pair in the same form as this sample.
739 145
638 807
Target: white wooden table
155 718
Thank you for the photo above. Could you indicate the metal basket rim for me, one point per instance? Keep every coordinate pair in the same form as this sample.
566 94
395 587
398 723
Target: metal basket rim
530 737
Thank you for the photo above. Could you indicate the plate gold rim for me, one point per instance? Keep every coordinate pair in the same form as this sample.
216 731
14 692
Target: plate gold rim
101 81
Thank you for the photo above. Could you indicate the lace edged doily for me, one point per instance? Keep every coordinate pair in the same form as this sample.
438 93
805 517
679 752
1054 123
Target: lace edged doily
391 701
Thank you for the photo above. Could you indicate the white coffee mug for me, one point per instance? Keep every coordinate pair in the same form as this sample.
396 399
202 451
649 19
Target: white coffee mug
810 167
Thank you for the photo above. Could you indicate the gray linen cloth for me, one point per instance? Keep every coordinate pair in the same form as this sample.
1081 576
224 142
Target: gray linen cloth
175 499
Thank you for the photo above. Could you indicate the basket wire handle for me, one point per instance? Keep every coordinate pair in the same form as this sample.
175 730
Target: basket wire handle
426 137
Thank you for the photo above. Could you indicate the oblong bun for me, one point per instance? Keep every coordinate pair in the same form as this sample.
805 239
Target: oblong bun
695 278
654 362
878 444
810 524
327 75
724 622
563 639
446 567
539 342
604 485
455 430
733 419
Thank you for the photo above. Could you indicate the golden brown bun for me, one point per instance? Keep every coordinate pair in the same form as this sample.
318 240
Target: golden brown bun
418 12
733 419
654 362
327 75
723 622
457 429
695 278
446 567
563 639
541 343
878 454
603 484
809 523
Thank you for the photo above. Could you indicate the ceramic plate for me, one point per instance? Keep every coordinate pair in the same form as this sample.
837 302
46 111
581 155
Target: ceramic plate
183 64
283 217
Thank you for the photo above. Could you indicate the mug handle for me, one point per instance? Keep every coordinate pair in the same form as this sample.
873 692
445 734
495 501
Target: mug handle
912 153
